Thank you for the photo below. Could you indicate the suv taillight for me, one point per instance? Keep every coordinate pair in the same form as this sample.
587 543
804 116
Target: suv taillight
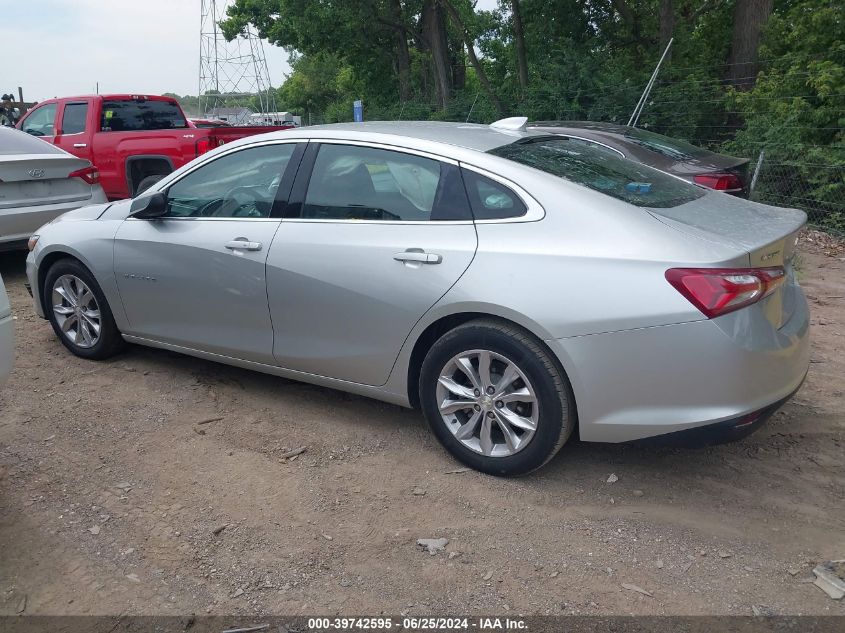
91 175
718 291
726 181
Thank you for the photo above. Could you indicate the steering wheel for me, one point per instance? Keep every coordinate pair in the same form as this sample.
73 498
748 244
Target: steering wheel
239 202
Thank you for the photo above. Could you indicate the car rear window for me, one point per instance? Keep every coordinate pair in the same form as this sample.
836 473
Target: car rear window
131 115
602 170
14 141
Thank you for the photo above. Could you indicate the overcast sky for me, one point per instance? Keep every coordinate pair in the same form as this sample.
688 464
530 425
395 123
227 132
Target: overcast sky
55 48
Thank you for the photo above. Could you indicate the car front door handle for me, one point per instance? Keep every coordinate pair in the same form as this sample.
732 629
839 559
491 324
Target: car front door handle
80 145
419 256
243 245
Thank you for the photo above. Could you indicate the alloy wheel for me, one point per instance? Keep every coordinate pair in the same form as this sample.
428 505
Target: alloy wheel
77 311
487 403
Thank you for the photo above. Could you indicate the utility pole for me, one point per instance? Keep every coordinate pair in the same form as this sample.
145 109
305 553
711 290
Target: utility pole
231 73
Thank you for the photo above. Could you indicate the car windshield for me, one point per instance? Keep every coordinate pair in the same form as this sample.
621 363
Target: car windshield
602 170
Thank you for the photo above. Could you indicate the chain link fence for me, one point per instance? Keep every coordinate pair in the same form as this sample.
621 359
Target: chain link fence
794 141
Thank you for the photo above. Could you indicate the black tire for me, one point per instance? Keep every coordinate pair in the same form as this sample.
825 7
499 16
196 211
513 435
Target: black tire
557 416
110 341
147 182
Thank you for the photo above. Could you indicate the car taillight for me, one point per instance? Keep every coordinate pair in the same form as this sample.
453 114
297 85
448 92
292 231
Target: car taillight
717 291
91 175
726 181
207 144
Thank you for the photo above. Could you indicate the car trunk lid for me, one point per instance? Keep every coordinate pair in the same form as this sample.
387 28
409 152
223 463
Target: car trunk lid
37 179
765 234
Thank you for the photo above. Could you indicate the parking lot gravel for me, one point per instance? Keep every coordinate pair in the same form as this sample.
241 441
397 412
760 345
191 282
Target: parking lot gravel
156 483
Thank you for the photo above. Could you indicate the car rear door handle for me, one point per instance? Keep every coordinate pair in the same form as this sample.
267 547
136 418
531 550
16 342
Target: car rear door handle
243 245
80 145
419 256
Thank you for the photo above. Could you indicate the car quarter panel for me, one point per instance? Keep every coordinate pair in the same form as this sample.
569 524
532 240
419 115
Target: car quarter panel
592 264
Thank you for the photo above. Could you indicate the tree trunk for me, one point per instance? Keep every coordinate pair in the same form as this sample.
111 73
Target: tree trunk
473 58
434 28
403 55
750 16
459 68
519 42
667 25
632 21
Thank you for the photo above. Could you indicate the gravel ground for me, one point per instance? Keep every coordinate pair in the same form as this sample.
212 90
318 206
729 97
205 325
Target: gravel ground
158 484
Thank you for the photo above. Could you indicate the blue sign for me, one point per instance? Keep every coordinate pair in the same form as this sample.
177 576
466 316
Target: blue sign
358 110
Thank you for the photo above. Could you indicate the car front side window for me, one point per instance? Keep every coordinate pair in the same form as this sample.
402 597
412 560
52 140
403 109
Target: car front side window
74 117
238 185
350 182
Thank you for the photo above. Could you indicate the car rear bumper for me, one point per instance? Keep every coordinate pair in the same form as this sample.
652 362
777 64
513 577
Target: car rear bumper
719 432
708 375
19 223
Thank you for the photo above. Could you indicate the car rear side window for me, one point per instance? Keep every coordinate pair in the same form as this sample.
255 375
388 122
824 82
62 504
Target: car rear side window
491 200
351 182
73 119
133 115
601 170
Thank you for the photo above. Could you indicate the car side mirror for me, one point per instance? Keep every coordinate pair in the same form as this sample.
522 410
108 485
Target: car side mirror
149 207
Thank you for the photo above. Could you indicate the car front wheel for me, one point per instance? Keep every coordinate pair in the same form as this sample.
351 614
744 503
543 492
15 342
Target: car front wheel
495 398
79 312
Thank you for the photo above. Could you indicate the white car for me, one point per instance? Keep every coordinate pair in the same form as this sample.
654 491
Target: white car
7 336
39 182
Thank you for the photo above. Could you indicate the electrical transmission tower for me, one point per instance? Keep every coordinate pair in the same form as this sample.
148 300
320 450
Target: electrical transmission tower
231 73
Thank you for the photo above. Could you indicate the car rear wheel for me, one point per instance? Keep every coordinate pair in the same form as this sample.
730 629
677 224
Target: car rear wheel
79 312
495 398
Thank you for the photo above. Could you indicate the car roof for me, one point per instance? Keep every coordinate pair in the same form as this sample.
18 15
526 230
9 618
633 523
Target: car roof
106 97
472 136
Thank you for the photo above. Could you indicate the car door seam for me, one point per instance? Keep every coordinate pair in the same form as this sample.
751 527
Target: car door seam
430 308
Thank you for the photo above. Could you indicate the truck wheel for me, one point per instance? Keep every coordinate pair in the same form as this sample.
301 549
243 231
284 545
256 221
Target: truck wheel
148 182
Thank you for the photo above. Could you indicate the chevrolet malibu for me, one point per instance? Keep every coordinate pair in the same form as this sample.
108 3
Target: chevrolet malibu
513 285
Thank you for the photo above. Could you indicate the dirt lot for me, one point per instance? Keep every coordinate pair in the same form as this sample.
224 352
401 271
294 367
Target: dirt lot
112 497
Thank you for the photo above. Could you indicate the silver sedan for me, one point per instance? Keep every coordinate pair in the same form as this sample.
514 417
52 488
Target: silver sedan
513 285
39 182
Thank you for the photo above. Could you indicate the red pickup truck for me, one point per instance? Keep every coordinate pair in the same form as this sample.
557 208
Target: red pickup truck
134 140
